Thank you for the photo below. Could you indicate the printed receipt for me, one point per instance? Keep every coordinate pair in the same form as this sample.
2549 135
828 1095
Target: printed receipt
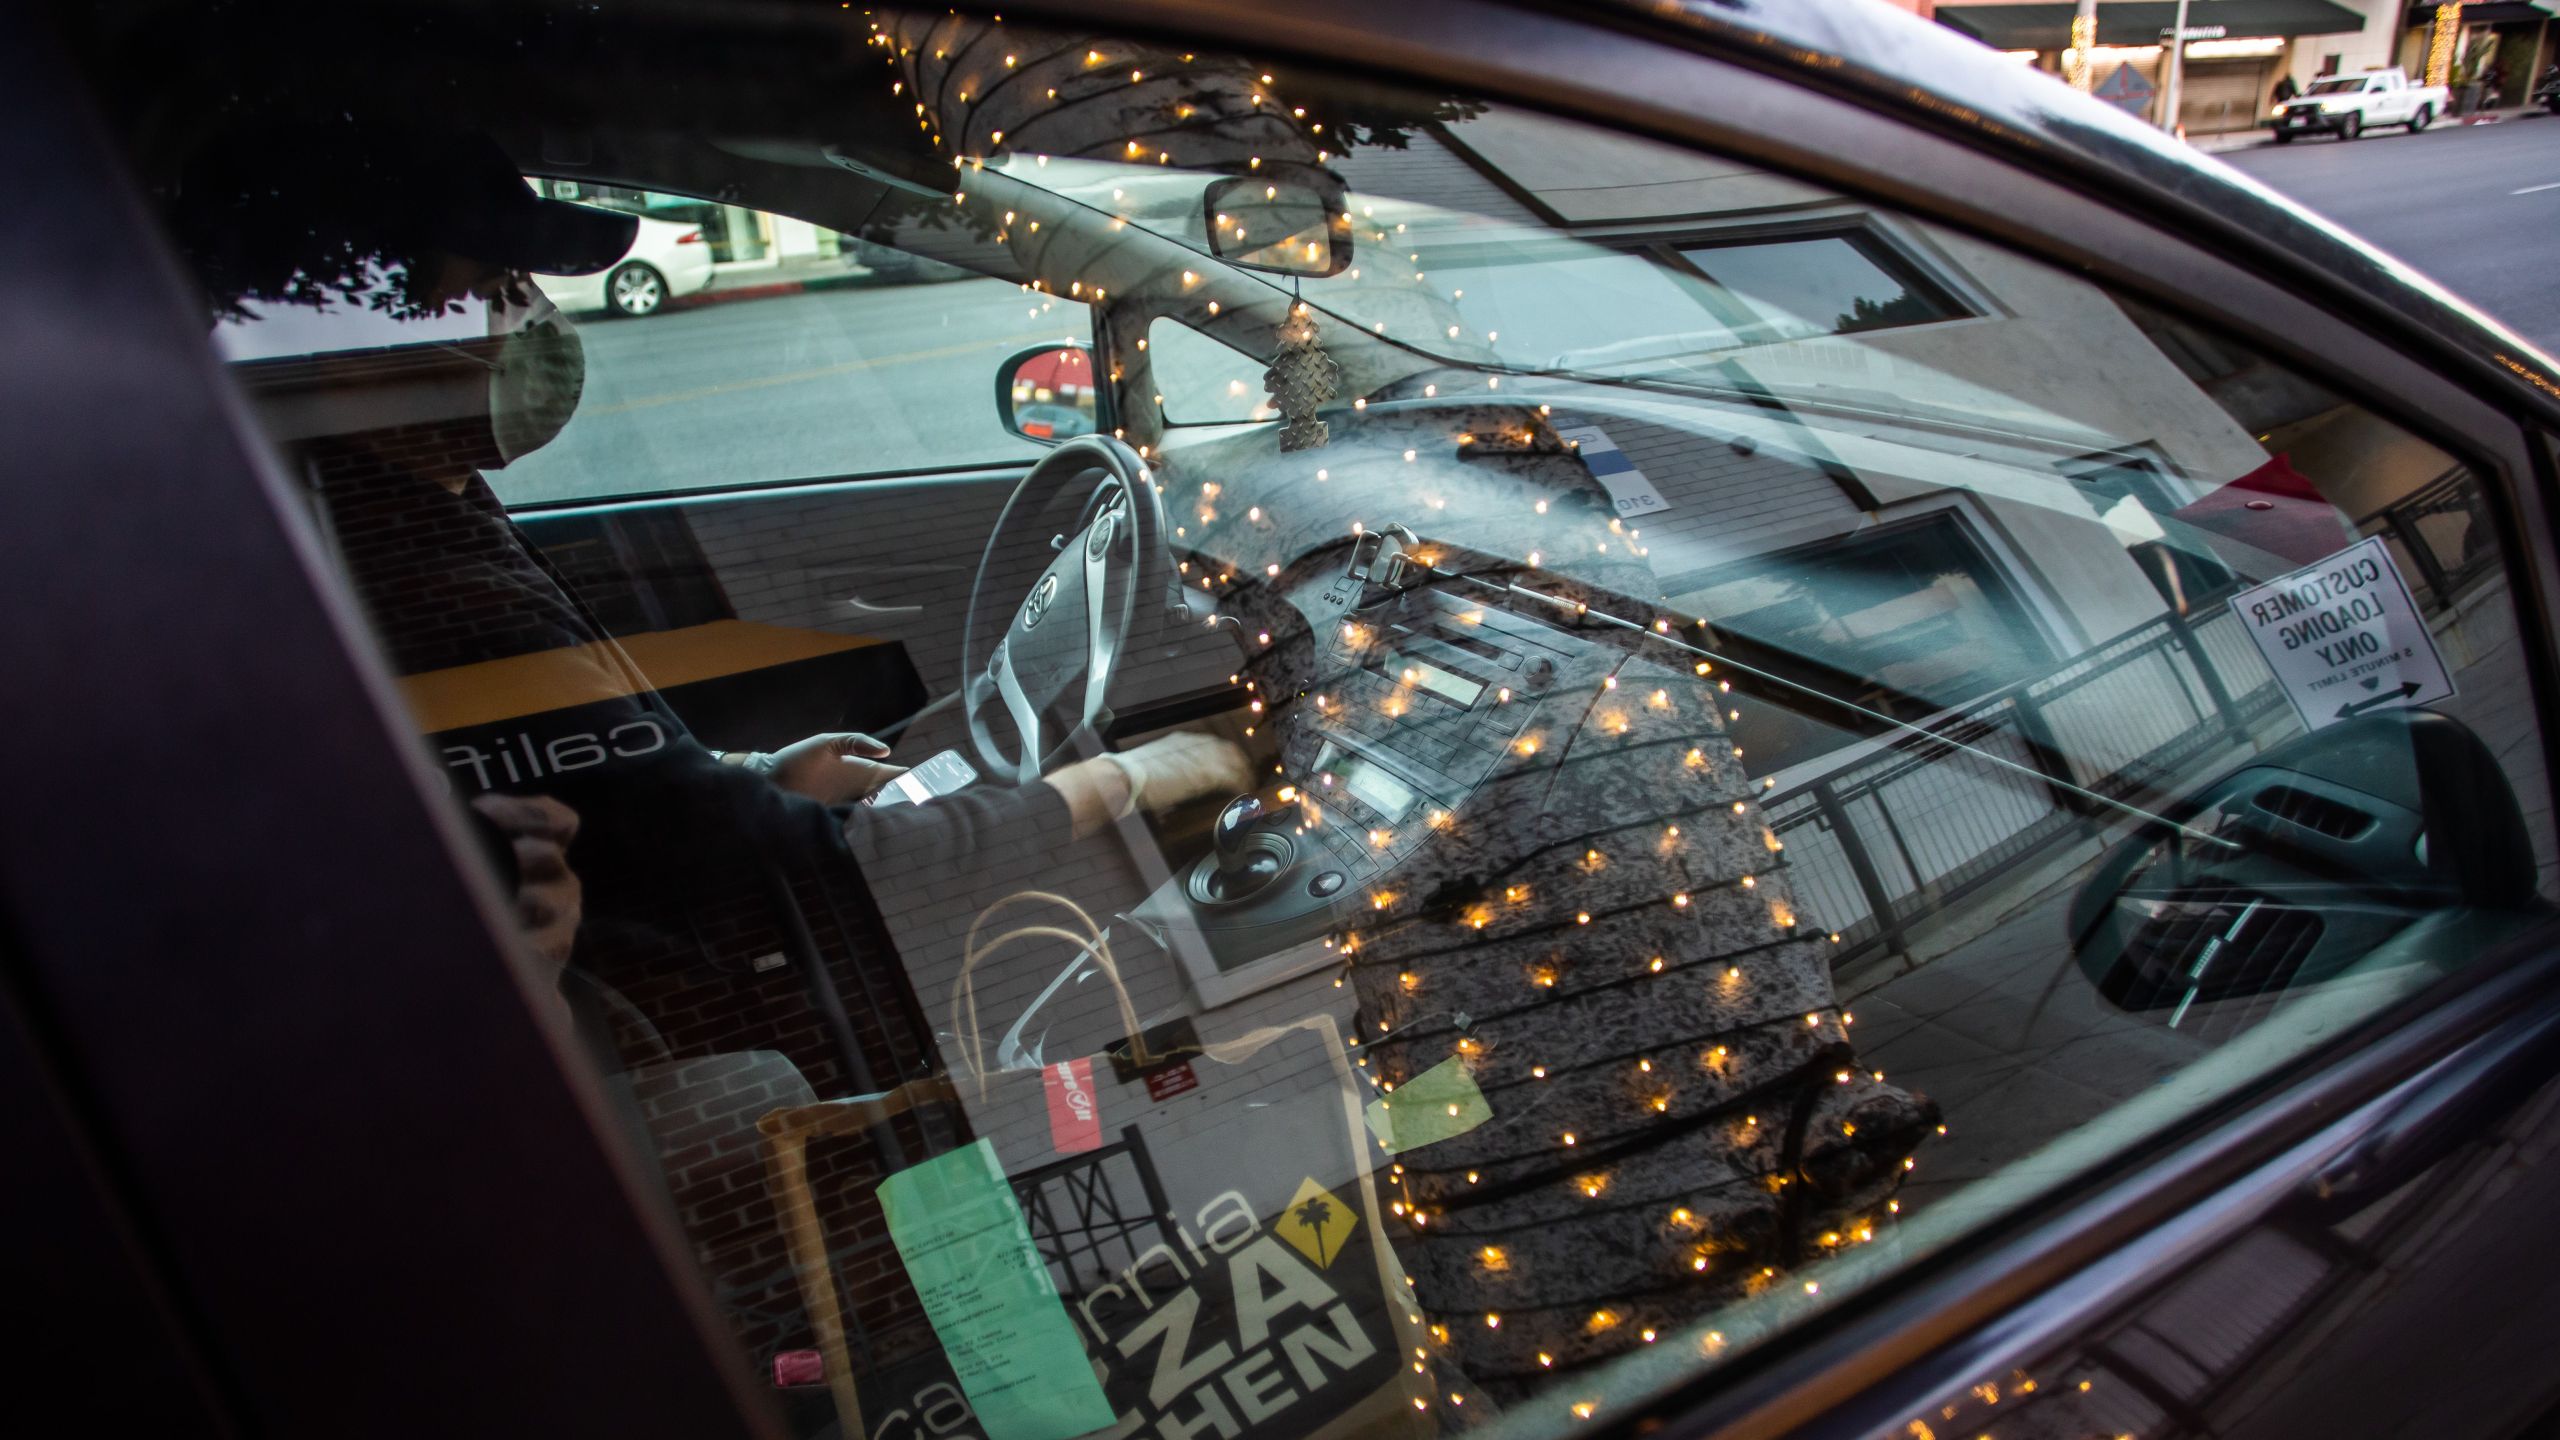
990 1298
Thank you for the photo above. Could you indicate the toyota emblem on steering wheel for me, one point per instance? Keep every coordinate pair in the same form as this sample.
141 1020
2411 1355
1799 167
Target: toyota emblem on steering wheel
1037 607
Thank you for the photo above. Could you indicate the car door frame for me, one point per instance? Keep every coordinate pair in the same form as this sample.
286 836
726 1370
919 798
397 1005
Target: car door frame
274 999
180 771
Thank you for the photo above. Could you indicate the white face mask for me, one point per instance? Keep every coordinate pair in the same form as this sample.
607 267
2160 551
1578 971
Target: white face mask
541 372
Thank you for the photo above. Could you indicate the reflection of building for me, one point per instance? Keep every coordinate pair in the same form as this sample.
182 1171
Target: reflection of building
2228 78
1989 484
1902 517
2475 41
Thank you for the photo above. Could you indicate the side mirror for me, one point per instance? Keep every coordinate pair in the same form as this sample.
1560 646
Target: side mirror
1278 224
1048 393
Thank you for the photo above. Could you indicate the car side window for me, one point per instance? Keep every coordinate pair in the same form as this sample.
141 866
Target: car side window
1202 382
1590 748
730 346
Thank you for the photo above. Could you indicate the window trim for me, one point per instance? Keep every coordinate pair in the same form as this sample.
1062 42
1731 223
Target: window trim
319 821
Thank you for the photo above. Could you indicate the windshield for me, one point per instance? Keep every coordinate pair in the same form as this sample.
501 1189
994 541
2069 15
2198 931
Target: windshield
2347 85
1511 293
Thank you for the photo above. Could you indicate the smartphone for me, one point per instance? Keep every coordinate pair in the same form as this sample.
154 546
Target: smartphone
941 775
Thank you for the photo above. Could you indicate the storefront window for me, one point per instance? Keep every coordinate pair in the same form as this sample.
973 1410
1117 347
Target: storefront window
1914 610
1819 285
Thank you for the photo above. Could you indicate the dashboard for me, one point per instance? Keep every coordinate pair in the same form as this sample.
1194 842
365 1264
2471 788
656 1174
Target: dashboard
2385 839
1400 698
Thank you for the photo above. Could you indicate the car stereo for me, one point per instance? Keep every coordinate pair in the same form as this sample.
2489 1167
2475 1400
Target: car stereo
1425 702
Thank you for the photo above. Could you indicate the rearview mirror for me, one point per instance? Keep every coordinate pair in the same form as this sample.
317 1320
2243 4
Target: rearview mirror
1047 393
1277 224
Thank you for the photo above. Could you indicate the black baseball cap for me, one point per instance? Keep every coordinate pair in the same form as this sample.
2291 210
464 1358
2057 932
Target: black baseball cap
268 201
464 196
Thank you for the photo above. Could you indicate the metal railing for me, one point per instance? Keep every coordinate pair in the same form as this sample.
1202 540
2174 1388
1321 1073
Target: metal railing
1916 824
1923 820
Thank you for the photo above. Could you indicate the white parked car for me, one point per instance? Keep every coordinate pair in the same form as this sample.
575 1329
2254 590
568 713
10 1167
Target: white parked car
667 261
2348 105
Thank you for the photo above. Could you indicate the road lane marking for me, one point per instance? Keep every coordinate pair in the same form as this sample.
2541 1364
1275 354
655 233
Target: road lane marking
2529 189
731 387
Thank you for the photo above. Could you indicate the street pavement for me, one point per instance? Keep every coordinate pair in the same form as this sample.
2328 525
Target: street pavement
2474 207
790 387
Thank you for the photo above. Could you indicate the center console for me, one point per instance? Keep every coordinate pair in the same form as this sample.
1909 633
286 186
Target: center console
1414 699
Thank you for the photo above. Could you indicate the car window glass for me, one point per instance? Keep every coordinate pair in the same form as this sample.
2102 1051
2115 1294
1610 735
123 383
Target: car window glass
746 365
1535 806
721 390
1201 381
1547 302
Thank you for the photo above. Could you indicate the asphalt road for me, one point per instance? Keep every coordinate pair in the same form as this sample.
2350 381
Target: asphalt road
2475 207
790 387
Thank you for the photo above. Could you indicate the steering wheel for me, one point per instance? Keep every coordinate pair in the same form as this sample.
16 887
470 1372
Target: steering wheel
1049 668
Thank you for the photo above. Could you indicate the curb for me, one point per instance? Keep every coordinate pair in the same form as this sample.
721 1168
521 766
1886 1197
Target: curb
2265 138
721 295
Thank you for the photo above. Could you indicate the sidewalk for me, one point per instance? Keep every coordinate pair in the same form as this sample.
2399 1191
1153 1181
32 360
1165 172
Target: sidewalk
2261 135
784 277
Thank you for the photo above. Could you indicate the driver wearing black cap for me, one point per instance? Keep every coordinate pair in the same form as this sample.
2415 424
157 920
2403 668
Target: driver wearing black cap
417 224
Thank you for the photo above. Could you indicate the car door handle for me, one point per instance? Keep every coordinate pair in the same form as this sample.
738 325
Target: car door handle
856 602
2446 1105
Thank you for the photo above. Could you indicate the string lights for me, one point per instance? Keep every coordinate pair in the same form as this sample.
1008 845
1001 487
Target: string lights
1643 927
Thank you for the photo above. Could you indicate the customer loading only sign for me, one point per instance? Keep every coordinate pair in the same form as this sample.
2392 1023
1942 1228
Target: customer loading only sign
2343 637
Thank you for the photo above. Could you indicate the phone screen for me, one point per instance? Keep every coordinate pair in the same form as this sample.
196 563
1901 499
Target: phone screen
941 775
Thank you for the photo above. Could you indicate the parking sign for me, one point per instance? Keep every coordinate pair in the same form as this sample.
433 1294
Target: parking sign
2343 637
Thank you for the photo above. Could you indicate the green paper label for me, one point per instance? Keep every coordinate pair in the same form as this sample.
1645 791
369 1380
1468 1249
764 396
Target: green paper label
988 1293
1438 1104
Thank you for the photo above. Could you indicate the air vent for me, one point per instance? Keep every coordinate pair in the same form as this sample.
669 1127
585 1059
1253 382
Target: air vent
2315 812
2210 942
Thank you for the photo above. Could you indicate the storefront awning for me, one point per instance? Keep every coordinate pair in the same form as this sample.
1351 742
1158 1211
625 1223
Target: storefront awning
2139 22
2487 12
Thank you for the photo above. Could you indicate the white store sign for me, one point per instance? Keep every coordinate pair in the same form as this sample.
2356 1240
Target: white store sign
2344 638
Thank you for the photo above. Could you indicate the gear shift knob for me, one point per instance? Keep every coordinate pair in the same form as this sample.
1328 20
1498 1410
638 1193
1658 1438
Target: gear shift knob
1247 860
1234 823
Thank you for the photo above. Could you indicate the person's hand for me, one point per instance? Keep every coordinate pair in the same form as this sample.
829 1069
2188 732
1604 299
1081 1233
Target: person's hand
833 769
1170 769
549 900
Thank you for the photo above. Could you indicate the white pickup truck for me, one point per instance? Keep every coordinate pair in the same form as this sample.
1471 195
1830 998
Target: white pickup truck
2348 105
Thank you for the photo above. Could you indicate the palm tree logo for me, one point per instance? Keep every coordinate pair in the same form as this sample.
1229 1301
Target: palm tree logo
1313 1214
1316 1223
